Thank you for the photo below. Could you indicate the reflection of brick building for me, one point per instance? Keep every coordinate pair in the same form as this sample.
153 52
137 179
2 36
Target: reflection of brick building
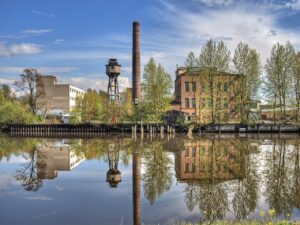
54 157
193 95
204 160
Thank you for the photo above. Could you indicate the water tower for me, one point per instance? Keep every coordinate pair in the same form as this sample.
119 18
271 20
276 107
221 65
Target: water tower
113 70
113 175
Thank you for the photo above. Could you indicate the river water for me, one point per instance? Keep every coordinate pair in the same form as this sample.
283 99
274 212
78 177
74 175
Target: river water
120 179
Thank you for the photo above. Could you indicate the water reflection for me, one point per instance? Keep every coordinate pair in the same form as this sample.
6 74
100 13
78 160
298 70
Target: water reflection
220 177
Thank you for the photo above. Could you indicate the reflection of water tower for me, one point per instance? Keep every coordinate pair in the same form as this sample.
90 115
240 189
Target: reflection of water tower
113 175
113 70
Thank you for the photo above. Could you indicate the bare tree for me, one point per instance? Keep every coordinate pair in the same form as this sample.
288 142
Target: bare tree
32 87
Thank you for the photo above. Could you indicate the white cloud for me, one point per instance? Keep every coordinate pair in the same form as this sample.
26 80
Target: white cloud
43 70
40 13
216 2
19 49
37 31
59 40
187 30
38 197
90 81
294 4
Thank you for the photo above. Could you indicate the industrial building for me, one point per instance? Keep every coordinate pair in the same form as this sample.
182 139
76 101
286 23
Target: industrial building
200 98
56 98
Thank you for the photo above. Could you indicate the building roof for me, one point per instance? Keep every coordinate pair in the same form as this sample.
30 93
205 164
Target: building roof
197 70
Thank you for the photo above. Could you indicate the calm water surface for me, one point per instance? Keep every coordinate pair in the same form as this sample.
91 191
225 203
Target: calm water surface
117 179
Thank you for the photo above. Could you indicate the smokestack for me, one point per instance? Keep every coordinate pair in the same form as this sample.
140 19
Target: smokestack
136 73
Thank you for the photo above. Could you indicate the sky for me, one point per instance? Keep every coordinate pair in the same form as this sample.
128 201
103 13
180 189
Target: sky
74 39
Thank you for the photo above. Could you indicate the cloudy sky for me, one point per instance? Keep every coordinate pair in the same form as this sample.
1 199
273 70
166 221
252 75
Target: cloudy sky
74 39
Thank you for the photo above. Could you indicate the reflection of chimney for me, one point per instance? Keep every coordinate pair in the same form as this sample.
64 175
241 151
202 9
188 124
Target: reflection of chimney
136 73
136 191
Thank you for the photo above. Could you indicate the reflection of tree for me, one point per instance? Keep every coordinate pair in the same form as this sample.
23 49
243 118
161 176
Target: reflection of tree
245 197
277 178
28 174
158 176
295 180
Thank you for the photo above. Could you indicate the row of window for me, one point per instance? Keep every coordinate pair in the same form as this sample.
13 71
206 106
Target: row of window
205 152
204 168
75 91
220 86
204 103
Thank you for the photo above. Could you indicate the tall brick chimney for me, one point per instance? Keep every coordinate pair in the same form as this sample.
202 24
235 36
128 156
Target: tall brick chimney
136 73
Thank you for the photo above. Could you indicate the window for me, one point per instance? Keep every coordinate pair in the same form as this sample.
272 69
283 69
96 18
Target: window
194 86
187 103
194 151
219 85
202 151
187 86
193 103
210 150
186 168
193 168
186 152
225 87
202 167
225 103
203 103
225 151
209 102
218 103
202 87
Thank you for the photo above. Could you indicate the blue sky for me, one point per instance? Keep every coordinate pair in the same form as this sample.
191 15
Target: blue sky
74 39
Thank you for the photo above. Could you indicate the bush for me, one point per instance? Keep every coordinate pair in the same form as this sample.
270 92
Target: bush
15 113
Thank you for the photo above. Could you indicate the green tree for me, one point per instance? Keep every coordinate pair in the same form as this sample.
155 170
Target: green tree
157 85
91 106
296 86
247 64
191 61
279 70
214 59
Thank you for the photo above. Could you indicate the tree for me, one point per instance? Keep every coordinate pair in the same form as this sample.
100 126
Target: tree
6 91
296 86
32 87
90 106
247 64
214 59
279 70
157 85
191 61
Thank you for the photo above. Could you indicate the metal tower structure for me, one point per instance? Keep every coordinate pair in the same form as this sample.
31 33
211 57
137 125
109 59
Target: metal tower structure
113 70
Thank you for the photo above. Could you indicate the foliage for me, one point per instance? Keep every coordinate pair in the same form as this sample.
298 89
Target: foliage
279 70
191 61
13 112
247 64
214 59
157 86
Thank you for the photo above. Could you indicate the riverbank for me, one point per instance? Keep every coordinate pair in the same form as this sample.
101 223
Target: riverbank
149 128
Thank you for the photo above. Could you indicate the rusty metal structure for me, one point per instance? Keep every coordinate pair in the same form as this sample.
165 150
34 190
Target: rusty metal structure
113 70
136 73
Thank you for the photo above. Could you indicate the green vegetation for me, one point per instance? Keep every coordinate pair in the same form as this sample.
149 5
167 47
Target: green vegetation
13 110
157 86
